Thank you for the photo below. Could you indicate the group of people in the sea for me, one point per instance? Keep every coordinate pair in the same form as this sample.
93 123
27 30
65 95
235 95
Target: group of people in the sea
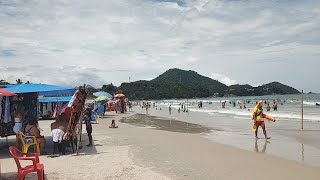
242 104
257 113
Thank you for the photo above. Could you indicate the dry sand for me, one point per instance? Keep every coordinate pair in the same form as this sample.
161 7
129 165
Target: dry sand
133 152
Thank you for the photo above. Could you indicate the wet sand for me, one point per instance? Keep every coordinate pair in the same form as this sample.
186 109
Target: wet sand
144 120
190 156
287 140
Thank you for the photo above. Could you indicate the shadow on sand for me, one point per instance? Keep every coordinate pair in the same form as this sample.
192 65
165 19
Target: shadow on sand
4 147
14 175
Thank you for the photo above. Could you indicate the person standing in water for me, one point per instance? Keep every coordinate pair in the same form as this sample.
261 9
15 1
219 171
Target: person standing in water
257 116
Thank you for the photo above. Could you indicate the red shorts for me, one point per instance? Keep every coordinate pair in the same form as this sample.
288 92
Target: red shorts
260 123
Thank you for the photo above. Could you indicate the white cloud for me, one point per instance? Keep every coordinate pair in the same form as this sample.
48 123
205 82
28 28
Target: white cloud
113 40
271 43
223 78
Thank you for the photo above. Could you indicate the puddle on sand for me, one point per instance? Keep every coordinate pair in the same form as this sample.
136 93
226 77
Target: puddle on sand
159 123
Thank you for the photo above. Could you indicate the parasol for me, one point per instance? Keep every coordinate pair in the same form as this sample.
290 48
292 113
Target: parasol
102 93
119 95
102 98
6 93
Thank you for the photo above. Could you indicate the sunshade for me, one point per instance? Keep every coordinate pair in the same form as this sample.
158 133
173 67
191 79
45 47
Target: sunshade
42 89
119 95
6 93
102 93
102 98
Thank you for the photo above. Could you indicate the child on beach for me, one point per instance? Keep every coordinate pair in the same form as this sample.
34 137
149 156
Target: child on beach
113 124
87 119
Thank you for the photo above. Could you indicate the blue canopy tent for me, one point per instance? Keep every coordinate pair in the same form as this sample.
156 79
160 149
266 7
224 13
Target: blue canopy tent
28 98
56 104
30 93
55 99
41 89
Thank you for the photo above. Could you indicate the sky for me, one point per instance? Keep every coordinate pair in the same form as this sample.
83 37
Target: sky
98 42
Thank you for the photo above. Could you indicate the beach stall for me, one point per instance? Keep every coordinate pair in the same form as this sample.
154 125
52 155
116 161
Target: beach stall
100 105
27 96
111 106
6 124
51 107
121 103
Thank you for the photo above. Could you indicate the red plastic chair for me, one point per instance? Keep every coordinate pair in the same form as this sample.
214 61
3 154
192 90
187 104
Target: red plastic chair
23 171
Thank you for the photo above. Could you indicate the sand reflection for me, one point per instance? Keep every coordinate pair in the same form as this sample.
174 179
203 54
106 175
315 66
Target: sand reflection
144 120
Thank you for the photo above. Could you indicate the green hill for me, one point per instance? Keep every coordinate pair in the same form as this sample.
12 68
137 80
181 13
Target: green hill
266 89
191 78
177 83
174 83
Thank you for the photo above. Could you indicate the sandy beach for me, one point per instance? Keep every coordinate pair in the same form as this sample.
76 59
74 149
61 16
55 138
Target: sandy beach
134 151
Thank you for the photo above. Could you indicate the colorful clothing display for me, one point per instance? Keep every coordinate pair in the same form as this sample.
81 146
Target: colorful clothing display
77 106
7 114
6 121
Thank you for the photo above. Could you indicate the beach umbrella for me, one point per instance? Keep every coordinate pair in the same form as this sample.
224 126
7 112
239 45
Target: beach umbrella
101 98
102 93
89 101
119 95
6 93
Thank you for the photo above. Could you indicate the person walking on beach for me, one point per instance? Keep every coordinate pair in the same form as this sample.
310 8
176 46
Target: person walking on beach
257 116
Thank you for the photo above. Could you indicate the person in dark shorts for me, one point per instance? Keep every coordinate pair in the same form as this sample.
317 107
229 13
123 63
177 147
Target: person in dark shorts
87 120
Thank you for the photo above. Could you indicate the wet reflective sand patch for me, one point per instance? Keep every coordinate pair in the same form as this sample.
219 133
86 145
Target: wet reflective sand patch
160 123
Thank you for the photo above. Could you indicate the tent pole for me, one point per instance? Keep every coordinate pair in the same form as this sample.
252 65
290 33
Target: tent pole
302 109
80 126
79 132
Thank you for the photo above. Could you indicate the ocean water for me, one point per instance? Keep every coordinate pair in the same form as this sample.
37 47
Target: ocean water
289 106
232 125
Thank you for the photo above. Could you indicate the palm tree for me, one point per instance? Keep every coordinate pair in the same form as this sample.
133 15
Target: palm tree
19 81
3 82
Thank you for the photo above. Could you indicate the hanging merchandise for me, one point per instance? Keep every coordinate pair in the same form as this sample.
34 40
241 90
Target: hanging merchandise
77 106
30 104
7 114
1 97
6 122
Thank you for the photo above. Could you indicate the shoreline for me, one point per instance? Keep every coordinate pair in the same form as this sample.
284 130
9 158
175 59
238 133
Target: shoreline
133 152
190 156
291 144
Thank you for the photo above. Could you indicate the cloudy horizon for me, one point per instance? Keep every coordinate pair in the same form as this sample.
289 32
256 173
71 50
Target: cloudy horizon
99 42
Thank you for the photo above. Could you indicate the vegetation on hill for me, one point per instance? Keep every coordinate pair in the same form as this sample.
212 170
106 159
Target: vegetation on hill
177 83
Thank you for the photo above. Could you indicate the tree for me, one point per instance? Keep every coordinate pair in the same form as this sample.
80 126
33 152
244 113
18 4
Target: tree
3 82
19 81
110 88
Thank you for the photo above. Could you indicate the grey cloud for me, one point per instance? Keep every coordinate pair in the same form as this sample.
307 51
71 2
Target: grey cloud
71 42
